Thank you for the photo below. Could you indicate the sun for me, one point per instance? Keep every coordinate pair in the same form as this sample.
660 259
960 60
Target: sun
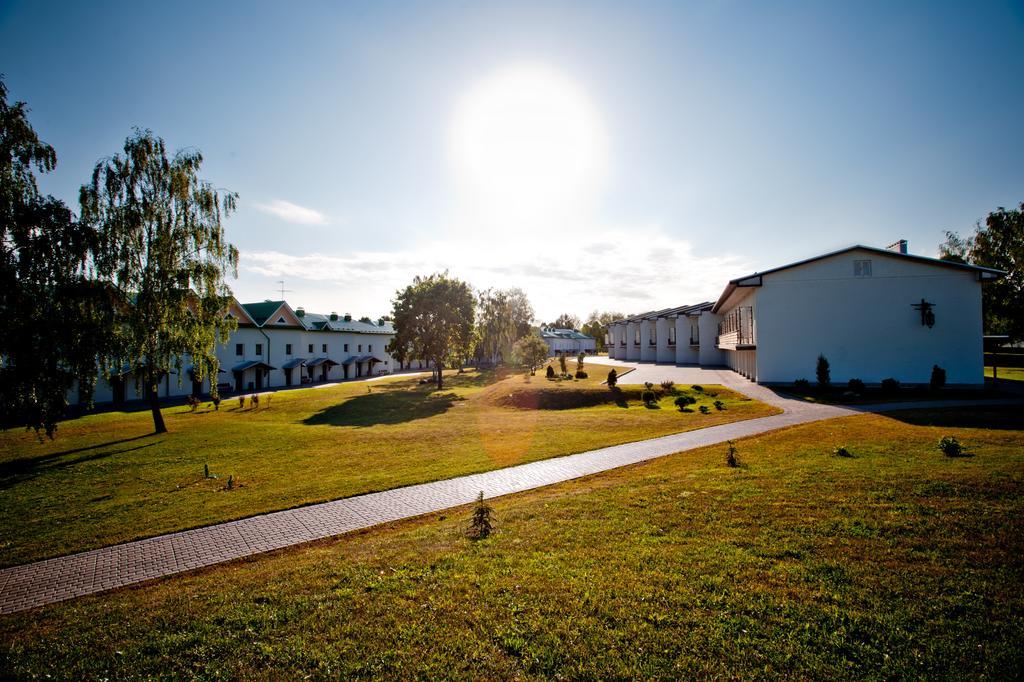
526 142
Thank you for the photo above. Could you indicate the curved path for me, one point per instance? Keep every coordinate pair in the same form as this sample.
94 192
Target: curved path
45 582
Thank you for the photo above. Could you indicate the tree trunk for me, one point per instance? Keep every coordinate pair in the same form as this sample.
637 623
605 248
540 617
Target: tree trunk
154 406
440 377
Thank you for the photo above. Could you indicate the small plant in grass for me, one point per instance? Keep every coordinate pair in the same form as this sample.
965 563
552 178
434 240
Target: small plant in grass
668 385
719 405
613 378
855 385
231 482
938 379
649 397
206 471
482 523
822 372
704 409
579 365
801 385
550 373
255 400
241 402
730 455
215 399
890 385
267 398
698 388
842 451
192 402
951 447
683 402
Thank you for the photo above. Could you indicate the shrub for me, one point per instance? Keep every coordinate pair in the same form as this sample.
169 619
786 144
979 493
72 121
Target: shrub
841 452
215 399
192 402
241 402
579 363
683 401
822 372
801 384
550 373
649 397
730 455
255 400
890 385
698 388
613 378
938 379
704 409
668 385
580 374
561 364
855 385
951 447
719 405
481 525
231 482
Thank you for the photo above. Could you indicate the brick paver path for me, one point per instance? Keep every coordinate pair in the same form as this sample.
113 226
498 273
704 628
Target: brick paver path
53 580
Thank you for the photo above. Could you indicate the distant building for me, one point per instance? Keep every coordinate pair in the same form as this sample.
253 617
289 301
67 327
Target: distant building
873 313
568 342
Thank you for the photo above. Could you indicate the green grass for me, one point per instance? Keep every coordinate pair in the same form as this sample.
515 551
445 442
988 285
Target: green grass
1011 373
106 479
896 562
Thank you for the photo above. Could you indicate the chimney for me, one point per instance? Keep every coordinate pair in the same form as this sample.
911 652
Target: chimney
898 247
301 312
334 316
348 318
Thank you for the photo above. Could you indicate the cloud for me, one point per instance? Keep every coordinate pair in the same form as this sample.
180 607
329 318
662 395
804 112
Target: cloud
293 213
629 270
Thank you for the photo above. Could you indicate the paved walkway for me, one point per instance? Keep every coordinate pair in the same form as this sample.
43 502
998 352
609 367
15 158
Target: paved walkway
45 582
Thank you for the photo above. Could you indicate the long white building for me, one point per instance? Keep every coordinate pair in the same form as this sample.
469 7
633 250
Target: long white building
276 346
873 313
568 342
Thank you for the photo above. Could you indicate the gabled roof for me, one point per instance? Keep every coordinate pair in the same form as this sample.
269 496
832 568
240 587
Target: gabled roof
249 364
755 278
260 312
665 312
325 323
564 334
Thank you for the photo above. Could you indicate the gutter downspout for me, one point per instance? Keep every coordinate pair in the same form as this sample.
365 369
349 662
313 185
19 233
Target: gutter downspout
268 352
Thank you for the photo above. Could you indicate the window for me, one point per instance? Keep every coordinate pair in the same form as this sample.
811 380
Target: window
287 349
259 349
671 335
280 320
369 349
861 268
239 349
360 348
636 336
325 347
310 348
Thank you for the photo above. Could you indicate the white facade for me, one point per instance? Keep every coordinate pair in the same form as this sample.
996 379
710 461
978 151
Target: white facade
568 342
856 307
666 336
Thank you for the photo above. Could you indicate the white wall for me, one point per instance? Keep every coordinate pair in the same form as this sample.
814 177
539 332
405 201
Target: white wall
648 352
665 352
685 354
709 355
866 327
632 349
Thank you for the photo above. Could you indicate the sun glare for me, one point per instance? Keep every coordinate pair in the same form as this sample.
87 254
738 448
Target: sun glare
527 142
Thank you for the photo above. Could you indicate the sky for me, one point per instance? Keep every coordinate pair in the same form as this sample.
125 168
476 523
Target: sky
600 156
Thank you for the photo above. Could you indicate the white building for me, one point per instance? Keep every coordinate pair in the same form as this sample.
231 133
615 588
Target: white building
568 342
873 313
276 346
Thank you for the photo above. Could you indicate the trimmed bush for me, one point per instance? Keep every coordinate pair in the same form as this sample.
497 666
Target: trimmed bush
856 385
698 388
550 373
580 374
890 385
704 409
842 452
801 384
684 401
649 397
951 447
613 378
719 405
938 379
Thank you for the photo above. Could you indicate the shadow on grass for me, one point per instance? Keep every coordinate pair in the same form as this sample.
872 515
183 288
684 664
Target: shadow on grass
1002 417
19 470
390 407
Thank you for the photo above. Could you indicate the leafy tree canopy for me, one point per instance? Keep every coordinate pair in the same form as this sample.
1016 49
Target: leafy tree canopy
504 316
596 325
434 320
57 319
997 244
530 352
566 321
162 249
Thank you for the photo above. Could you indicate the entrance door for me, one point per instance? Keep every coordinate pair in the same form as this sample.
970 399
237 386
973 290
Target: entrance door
287 377
323 372
238 381
259 378
118 386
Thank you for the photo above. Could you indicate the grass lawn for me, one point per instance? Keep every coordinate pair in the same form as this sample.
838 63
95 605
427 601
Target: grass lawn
896 562
1011 373
106 479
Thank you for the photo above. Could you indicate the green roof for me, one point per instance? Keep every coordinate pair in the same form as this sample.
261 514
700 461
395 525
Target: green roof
259 312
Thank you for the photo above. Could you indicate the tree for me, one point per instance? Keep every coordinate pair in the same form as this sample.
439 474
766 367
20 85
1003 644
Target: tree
162 249
999 244
434 319
822 373
596 325
530 351
56 318
505 315
566 321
